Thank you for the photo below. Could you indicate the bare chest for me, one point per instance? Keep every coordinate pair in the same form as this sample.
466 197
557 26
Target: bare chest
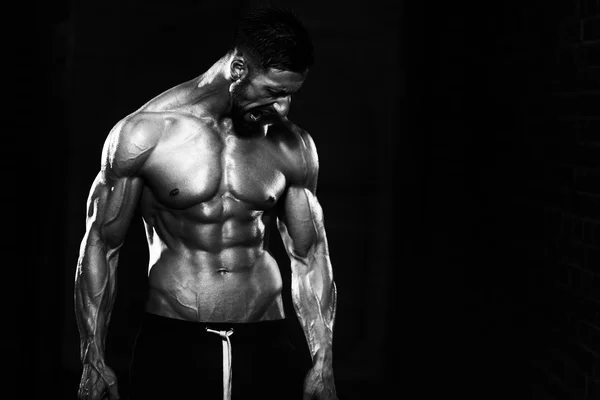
207 168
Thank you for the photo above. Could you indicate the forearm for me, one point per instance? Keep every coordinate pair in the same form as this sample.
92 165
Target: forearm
314 298
95 292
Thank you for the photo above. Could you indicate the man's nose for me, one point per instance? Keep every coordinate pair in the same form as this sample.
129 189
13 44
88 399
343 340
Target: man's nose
282 105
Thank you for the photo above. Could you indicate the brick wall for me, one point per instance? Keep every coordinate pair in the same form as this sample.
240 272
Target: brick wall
565 300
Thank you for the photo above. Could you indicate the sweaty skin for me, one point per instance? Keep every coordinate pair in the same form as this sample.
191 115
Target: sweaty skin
207 181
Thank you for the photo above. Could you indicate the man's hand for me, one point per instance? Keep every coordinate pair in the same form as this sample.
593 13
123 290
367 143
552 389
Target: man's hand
98 383
319 384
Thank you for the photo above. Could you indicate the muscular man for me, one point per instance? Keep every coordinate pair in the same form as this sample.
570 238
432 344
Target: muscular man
210 162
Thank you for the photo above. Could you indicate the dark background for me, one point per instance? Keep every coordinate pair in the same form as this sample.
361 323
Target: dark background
459 165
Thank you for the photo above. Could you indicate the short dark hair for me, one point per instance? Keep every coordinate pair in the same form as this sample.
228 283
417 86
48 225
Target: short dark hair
273 37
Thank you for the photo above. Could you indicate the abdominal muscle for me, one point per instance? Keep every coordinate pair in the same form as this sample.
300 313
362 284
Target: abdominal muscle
236 284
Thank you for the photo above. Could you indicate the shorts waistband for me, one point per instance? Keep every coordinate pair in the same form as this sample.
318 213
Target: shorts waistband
241 329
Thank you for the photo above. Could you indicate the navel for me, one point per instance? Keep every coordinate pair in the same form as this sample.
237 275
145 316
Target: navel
174 192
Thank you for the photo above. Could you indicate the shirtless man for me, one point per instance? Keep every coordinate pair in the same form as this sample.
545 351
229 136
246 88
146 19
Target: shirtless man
210 162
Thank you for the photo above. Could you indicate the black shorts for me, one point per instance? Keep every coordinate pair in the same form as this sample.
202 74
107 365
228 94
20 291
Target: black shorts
175 359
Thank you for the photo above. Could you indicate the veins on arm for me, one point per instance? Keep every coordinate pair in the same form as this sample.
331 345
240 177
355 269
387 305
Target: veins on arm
301 225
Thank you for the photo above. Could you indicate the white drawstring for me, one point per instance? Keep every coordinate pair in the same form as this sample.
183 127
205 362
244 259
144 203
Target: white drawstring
227 373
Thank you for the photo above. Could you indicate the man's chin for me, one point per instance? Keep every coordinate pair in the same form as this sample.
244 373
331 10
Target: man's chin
244 125
259 119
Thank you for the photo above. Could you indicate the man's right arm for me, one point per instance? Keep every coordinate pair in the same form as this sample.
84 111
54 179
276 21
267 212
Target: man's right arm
110 207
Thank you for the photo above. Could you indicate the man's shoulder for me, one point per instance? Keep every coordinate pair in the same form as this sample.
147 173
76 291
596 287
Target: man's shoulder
132 139
294 137
142 126
299 146
142 129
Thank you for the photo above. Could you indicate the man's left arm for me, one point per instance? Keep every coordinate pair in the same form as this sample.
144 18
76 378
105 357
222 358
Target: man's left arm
313 289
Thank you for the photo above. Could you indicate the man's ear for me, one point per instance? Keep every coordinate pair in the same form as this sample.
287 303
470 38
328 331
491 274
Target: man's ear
238 68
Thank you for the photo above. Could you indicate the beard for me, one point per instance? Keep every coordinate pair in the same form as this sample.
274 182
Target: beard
248 120
239 92
243 125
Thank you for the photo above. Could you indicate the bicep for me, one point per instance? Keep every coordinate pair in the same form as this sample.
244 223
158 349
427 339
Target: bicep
301 221
111 206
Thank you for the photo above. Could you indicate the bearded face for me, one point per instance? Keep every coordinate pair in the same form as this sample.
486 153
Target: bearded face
263 98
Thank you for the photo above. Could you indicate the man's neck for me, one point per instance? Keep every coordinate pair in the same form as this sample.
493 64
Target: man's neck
207 94
211 89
